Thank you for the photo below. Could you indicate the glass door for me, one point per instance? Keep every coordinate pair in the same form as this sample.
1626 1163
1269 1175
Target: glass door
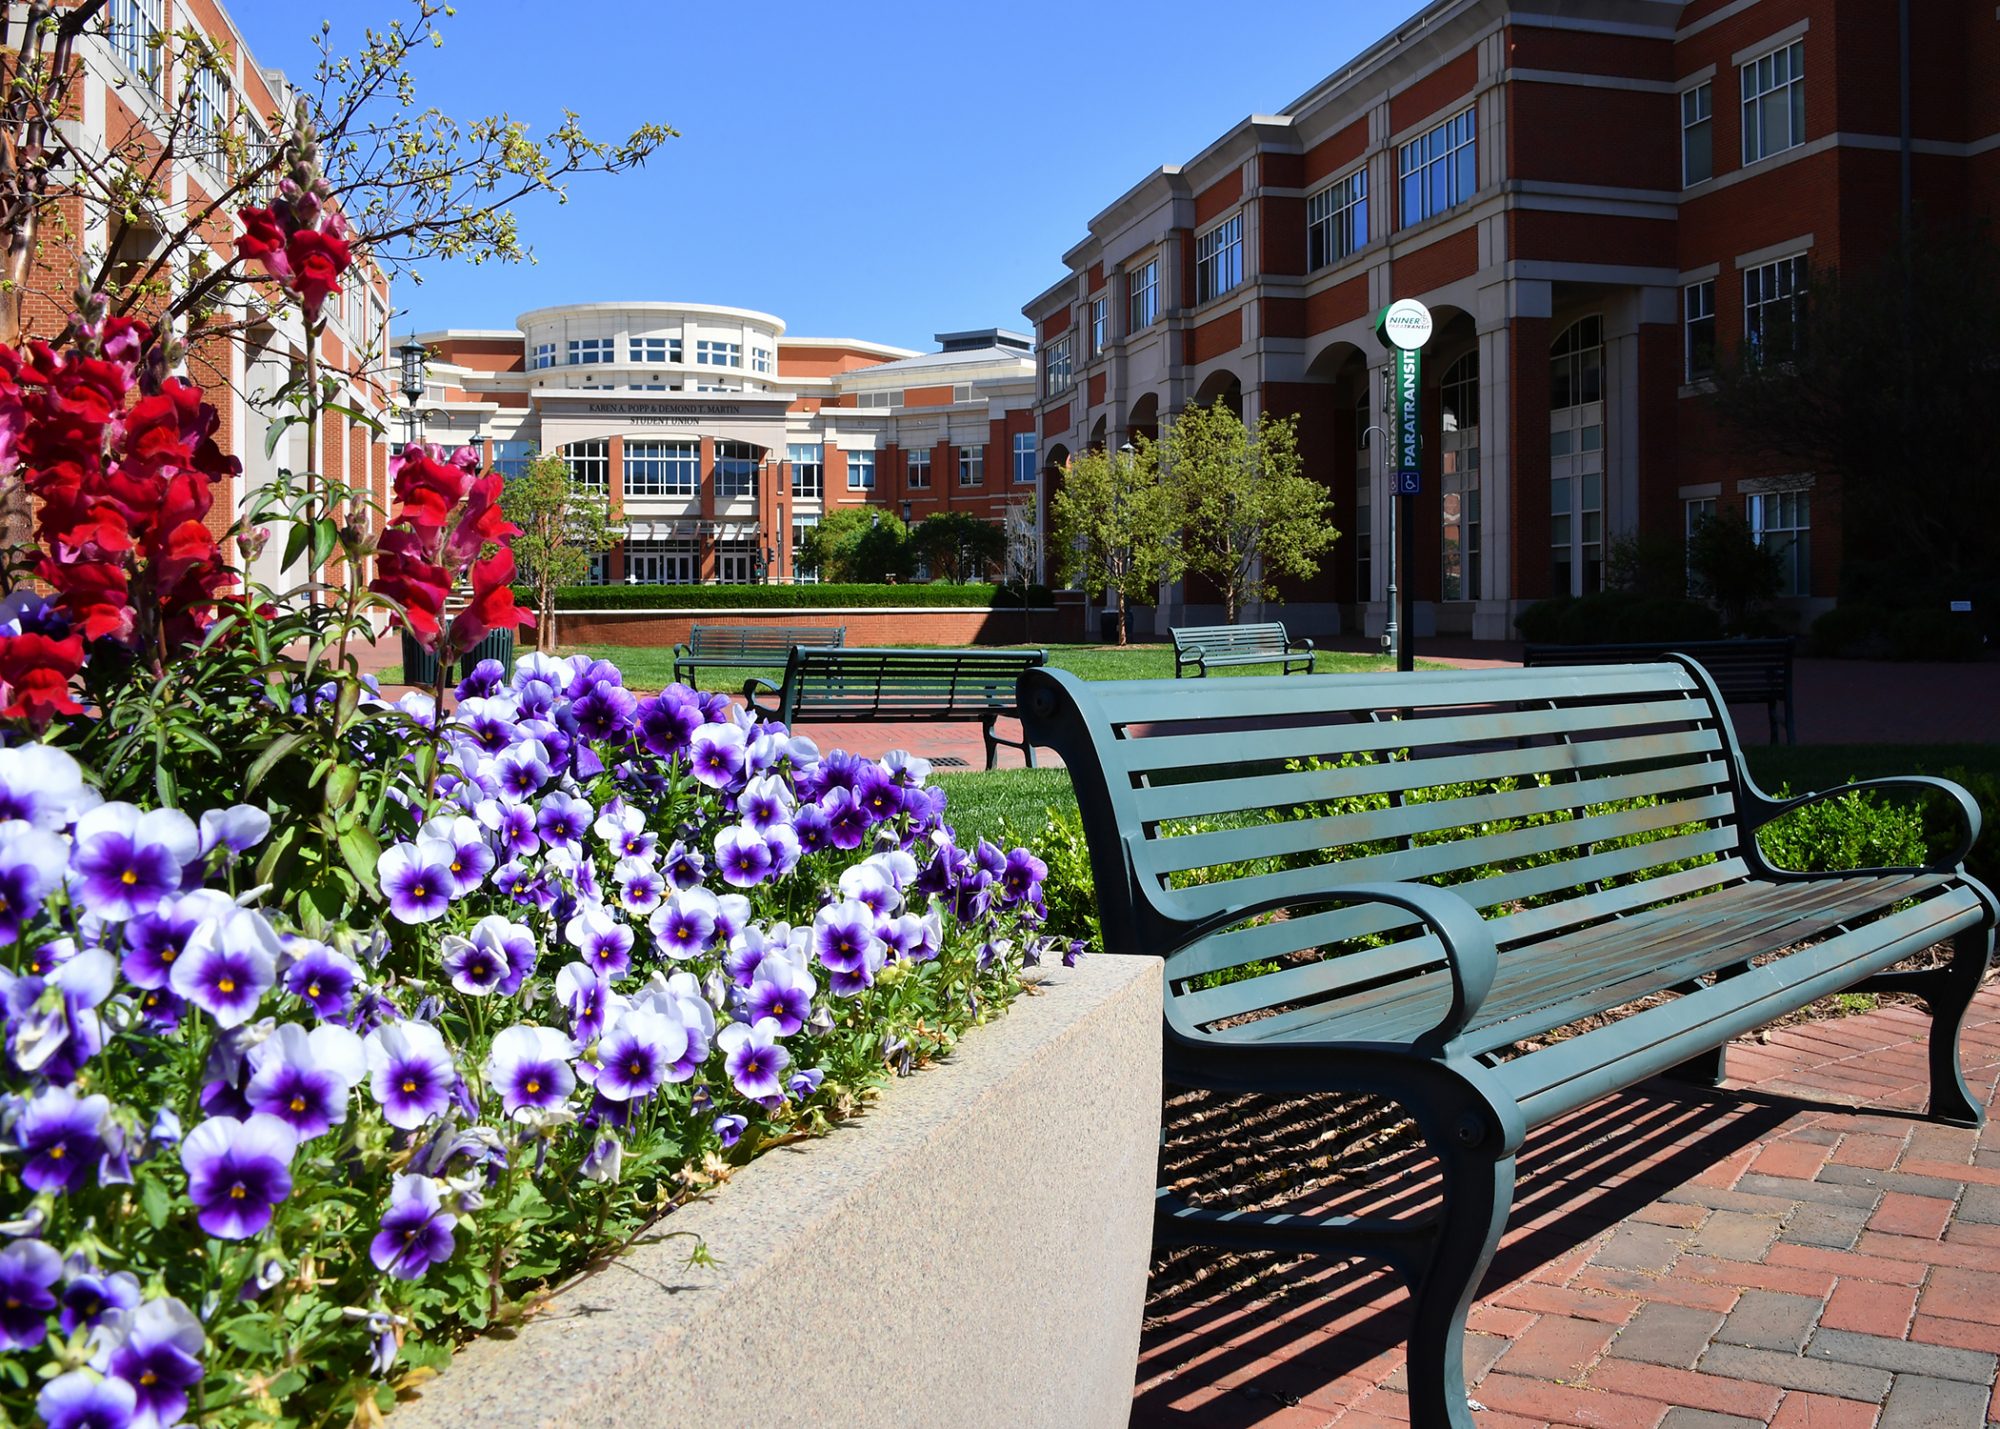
1576 459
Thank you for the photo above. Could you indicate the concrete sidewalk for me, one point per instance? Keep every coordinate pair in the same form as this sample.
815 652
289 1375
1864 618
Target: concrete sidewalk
1798 1249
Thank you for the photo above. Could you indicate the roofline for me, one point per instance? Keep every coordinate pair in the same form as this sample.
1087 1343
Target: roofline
652 306
857 344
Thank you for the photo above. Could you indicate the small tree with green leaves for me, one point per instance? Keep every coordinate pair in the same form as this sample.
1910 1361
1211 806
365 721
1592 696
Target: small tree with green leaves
956 546
1249 515
1116 523
564 524
857 543
1728 564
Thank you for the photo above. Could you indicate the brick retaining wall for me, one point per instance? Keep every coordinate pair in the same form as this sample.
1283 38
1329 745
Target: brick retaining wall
887 625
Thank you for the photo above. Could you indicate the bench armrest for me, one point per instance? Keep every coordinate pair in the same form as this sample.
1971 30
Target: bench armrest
1469 952
750 688
682 649
1300 643
1193 655
1767 809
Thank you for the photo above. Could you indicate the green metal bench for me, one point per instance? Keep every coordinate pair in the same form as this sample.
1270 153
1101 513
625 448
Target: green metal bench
1201 646
748 644
826 686
1748 672
1465 863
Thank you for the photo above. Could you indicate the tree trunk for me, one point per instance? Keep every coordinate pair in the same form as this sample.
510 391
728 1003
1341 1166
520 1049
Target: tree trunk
1121 618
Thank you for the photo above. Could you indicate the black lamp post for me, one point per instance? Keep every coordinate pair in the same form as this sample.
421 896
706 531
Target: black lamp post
412 354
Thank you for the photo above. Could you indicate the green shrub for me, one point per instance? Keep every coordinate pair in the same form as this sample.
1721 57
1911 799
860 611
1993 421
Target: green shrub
1615 617
1863 631
1944 826
1853 831
1068 891
792 597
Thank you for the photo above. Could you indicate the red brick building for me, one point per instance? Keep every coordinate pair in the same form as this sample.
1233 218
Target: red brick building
1594 198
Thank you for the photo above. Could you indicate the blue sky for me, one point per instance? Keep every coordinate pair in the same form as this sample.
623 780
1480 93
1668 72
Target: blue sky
883 170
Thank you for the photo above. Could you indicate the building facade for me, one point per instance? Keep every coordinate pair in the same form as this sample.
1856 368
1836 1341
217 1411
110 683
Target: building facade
720 439
1596 199
136 83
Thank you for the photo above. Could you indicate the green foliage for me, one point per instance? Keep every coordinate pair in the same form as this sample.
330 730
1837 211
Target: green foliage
794 597
1248 514
563 526
1861 631
1648 563
1116 524
1731 567
858 544
1069 890
957 546
1614 617
1854 831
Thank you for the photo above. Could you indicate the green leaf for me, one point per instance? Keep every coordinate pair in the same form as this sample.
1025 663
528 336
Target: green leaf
155 1202
325 540
341 784
359 847
295 545
264 763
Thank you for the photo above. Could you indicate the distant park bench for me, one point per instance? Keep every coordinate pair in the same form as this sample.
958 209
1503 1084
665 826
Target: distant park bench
748 645
1748 672
1203 646
1407 886
852 685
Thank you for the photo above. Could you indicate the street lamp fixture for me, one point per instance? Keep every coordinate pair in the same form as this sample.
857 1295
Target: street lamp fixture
412 355
906 511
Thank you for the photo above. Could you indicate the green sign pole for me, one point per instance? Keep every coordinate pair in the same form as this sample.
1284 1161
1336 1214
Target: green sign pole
1403 327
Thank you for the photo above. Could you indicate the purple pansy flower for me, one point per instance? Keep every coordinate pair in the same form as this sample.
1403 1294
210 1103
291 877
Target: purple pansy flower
716 755
803 1084
410 1071
475 969
471 860
230 963
158 1352
846 821
604 942
155 940
685 923
1020 875
32 864
81 1400
521 771
238 828
43 787
513 943
88 1294
640 887
635 1056
844 936
813 829
586 995
667 722
325 979
729 1127
305 1078
754 1060
61 1136
416 1229
607 712
765 802
28 1268
529 1067
238 1171
516 830
877 793
742 856
127 862
781 991
562 821
684 867
417 879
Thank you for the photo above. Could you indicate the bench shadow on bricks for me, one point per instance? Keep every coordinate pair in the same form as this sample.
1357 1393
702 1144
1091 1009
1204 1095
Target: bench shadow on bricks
1271 1329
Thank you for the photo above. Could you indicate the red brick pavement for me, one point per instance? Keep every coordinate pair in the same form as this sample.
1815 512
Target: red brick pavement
1796 1249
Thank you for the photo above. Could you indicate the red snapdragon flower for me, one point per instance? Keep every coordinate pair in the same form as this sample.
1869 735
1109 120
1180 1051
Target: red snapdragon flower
446 514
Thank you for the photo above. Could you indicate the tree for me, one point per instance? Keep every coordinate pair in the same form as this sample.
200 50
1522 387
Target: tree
1881 403
957 546
855 543
1728 565
563 526
1116 524
1248 514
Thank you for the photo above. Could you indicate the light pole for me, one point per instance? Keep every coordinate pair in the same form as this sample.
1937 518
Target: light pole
412 354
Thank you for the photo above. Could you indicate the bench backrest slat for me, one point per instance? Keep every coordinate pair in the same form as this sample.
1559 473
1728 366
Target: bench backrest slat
1230 639
1749 669
1549 798
909 683
773 640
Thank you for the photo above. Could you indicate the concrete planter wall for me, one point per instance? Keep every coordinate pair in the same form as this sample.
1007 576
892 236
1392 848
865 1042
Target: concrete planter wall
971 1251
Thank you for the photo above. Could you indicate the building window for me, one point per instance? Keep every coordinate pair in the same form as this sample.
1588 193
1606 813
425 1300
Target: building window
1364 520
802 573
647 350
972 466
589 464
544 355
1100 325
1774 102
1218 259
1695 514
761 360
511 459
1337 220
1459 484
1698 302
211 98
1774 296
861 471
920 469
718 386
1058 370
1439 169
135 28
1024 459
599 571
878 401
718 354
736 469
662 468
808 470
1142 295
962 392
1782 521
662 562
736 560
1697 148
587 351
1576 365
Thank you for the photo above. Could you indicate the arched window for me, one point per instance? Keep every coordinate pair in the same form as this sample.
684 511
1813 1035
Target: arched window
1576 364
1458 565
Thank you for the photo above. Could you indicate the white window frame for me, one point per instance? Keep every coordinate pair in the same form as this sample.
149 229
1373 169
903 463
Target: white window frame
1440 167
1026 454
808 461
1778 74
713 352
209 117
1218 259
861 470
882 401
655 351
802 574
1058 365
592 351
761 360
542 355
1766 286
1697 306
1695 510
972 466
132 28
919 469
654 468
1697 112
1142 295
1100 325
1337 220
1782 520
589 464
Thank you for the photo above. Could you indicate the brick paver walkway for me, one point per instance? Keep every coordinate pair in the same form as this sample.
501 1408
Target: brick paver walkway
1797 1249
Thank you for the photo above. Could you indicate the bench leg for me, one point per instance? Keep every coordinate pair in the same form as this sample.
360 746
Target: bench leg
1478 1193
1708 1069
1950 996
992 744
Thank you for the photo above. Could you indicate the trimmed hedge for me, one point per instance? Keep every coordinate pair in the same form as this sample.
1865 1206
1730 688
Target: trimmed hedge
793 597
1614 617
1872 632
